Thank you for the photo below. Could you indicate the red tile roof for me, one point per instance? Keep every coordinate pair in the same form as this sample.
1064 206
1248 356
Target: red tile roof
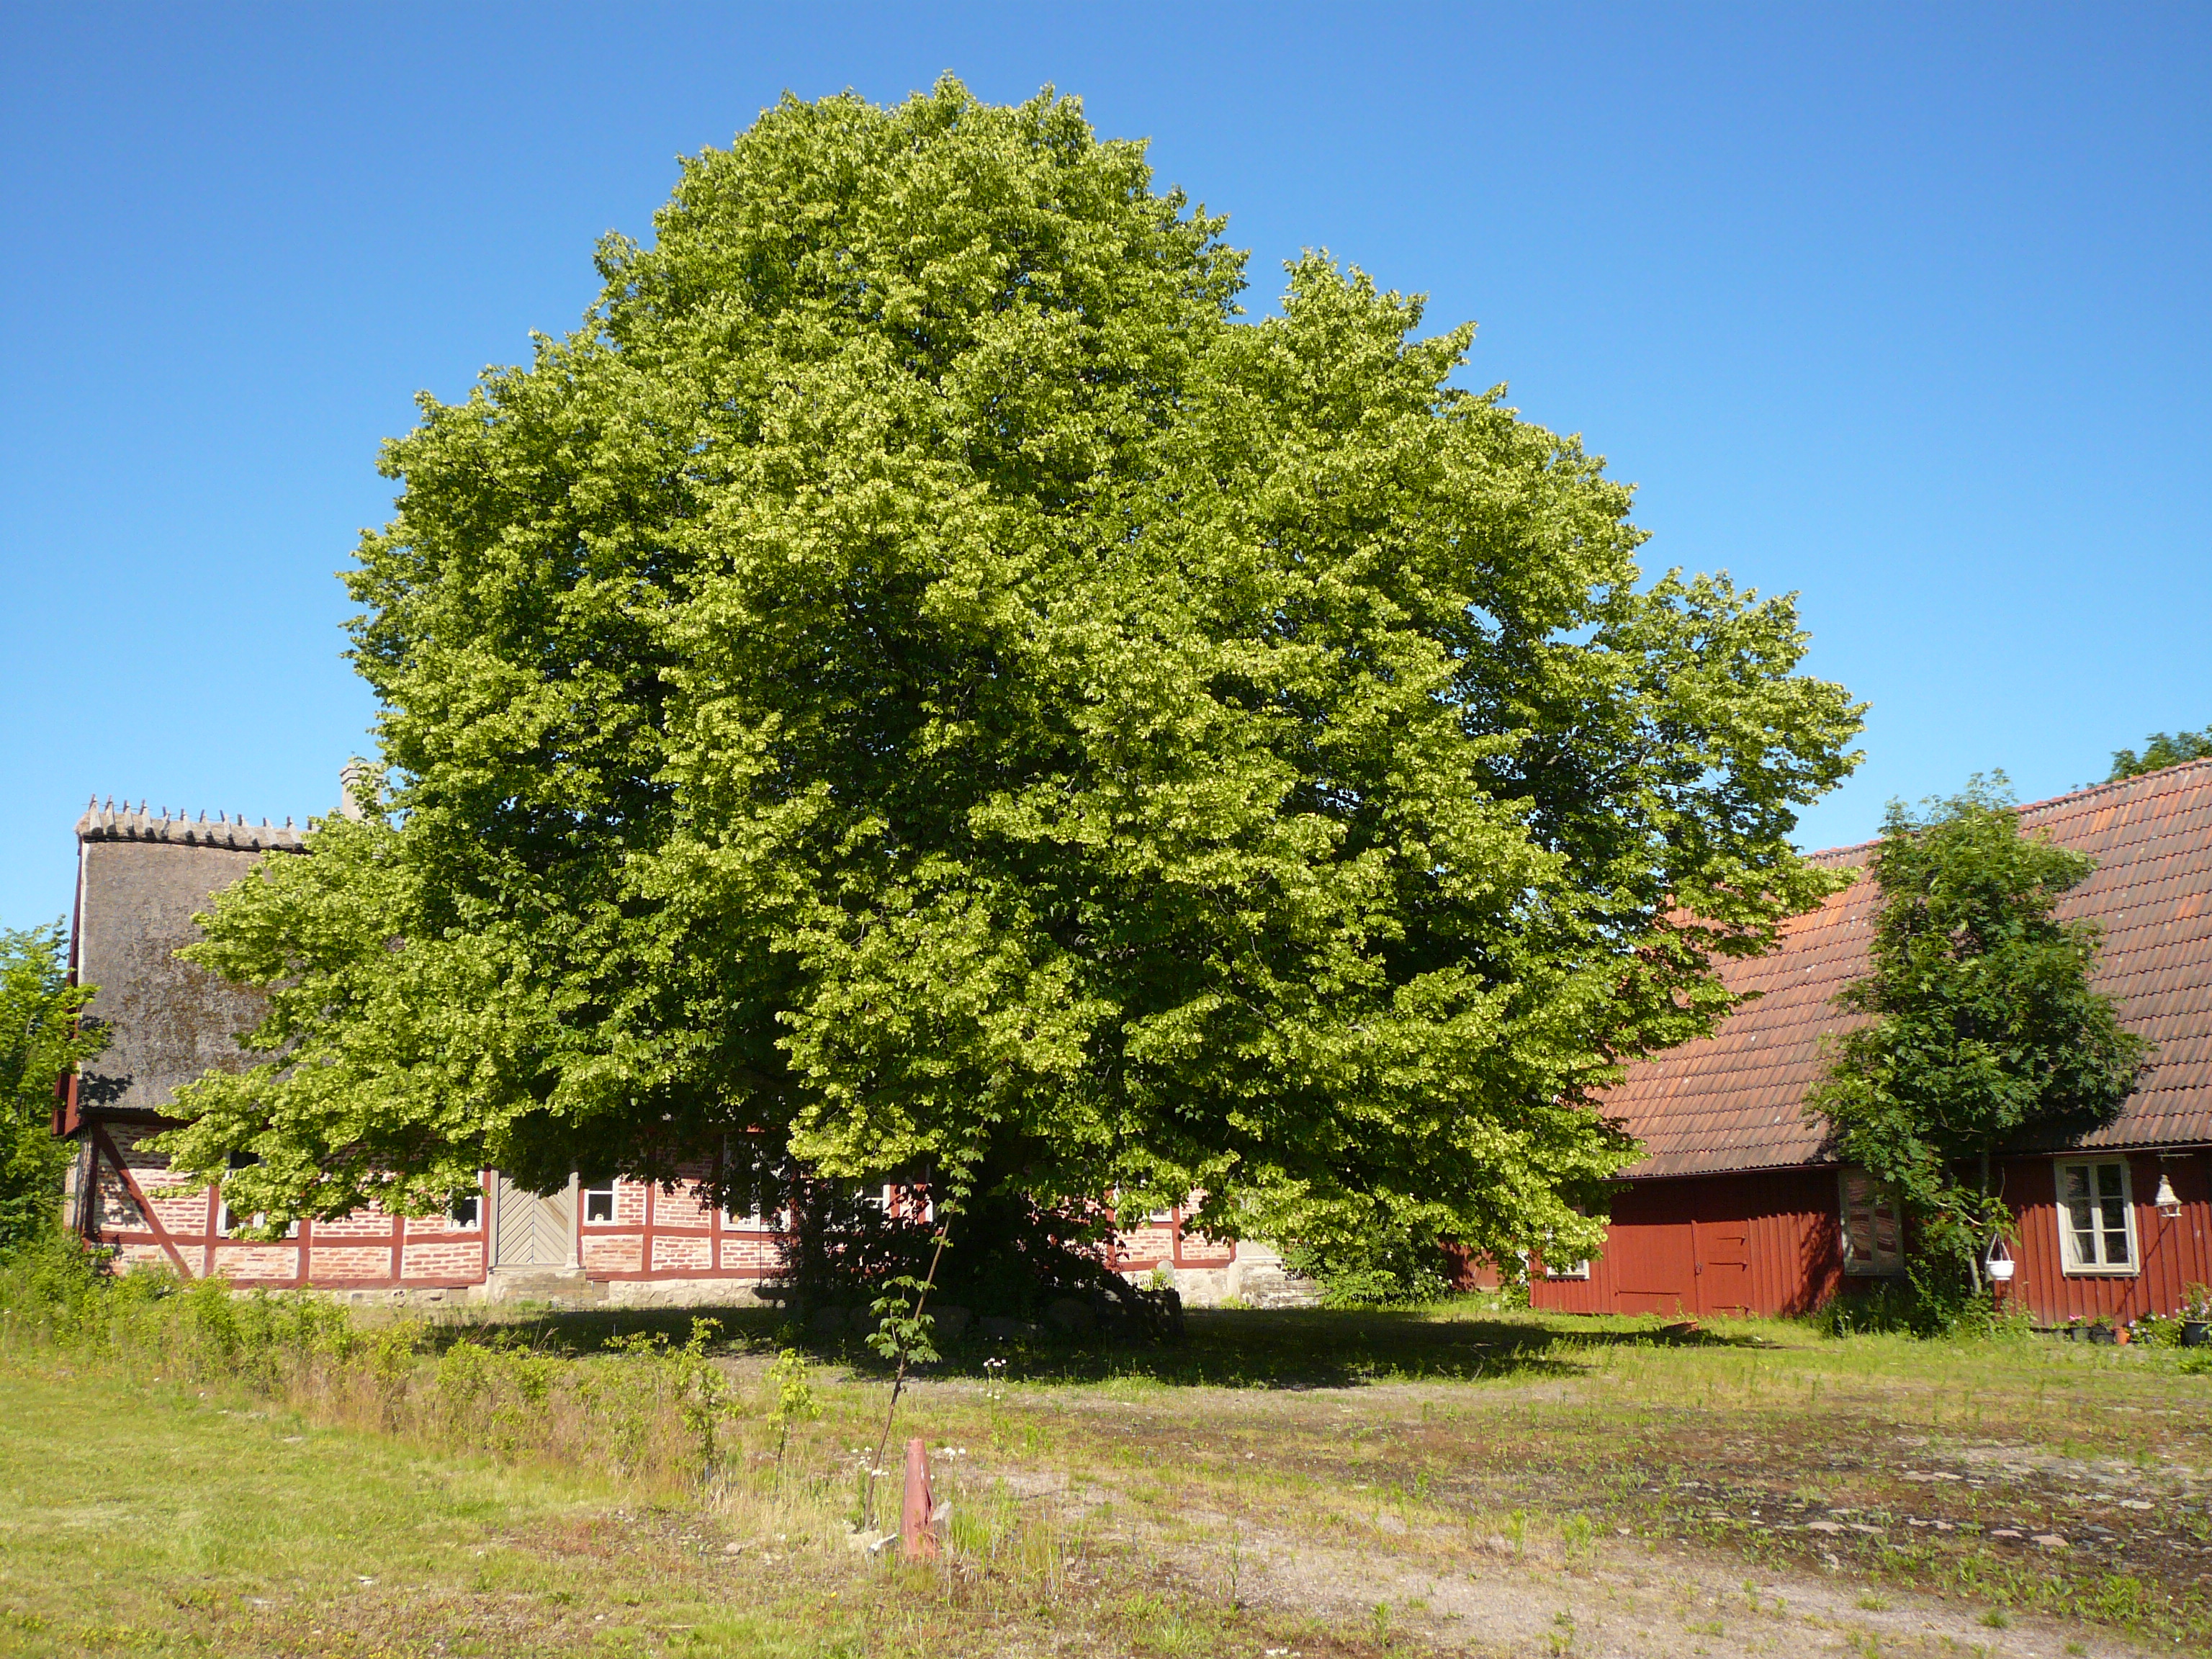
1734 1101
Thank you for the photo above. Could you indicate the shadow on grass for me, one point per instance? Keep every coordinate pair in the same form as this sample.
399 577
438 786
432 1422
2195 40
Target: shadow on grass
1291 1348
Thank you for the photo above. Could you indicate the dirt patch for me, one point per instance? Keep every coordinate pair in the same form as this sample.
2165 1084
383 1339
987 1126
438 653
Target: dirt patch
1630 1600
1849 1523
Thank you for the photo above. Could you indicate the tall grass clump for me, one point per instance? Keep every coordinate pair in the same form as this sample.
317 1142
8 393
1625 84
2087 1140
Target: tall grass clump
664 1419
658 1414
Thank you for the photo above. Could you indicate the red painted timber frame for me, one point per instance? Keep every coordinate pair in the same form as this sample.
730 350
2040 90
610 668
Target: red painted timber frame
714 1232
209 1240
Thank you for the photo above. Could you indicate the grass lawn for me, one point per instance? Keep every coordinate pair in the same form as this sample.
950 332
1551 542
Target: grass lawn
1317 1484
147 1518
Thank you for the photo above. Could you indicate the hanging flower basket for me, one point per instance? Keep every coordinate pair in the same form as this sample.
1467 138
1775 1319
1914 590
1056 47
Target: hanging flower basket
1999 1262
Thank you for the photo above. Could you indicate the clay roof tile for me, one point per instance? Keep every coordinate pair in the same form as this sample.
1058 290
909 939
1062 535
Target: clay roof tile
1734 1101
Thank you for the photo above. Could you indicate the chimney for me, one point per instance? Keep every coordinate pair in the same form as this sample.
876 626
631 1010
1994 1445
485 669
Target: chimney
352 783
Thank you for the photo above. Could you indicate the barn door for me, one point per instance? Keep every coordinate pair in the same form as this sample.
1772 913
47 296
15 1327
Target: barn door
1723 1253
530 1231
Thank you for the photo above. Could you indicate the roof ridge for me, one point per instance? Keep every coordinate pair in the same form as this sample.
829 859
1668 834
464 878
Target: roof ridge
2024 808
2163 774
109 822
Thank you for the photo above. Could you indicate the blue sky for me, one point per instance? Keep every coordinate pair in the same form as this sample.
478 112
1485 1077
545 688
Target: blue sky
1900 308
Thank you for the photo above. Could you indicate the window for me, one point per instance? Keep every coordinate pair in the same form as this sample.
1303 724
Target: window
1566 1269
2096 1216
753 1201
1874 1230
466 1210
600 1203
226 1223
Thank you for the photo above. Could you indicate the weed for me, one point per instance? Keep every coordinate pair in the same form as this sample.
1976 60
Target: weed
791 1397
1575 1534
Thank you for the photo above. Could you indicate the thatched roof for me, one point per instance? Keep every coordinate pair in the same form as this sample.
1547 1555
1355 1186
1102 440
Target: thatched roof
140 876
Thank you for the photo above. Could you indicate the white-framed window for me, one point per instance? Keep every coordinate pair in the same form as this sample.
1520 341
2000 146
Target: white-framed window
600 1203
1874 1227
749 1187
2096 1216
227 1224
467 1211
225 1220
1566 1269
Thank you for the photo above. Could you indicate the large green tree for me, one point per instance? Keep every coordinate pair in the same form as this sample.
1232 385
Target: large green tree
40 1039
1982 1020
916 677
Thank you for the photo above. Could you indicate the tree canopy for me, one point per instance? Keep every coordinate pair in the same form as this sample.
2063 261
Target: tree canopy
2160 751
1984 1020
40 1039
917 678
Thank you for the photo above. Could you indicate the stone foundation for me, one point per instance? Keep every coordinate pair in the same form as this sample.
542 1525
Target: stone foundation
1256 1279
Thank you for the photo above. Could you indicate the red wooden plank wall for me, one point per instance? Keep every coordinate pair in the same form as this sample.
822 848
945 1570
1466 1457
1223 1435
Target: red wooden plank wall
1766 1243
2176 1251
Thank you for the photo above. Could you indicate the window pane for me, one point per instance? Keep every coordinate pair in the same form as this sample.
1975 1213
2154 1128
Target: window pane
2077 1182
2116 1247
2085 1246
599 1204
2109 1181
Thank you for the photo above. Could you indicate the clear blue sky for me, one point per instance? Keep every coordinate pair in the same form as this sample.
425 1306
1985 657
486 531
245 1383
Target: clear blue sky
1901 307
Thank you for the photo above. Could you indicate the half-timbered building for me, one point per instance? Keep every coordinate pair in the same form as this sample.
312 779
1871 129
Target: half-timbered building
141 878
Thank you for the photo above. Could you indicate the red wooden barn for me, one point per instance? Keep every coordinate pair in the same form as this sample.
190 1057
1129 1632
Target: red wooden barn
1737 1207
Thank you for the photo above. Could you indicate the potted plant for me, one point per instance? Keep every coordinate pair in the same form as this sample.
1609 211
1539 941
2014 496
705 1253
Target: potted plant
2101 1331
2196 1317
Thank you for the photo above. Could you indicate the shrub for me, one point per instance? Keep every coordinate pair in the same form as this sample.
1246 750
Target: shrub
1005 1255
1927 1304
1386 1266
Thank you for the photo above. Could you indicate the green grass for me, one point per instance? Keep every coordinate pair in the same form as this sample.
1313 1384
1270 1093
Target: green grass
148 1519
185 1474
141 1515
